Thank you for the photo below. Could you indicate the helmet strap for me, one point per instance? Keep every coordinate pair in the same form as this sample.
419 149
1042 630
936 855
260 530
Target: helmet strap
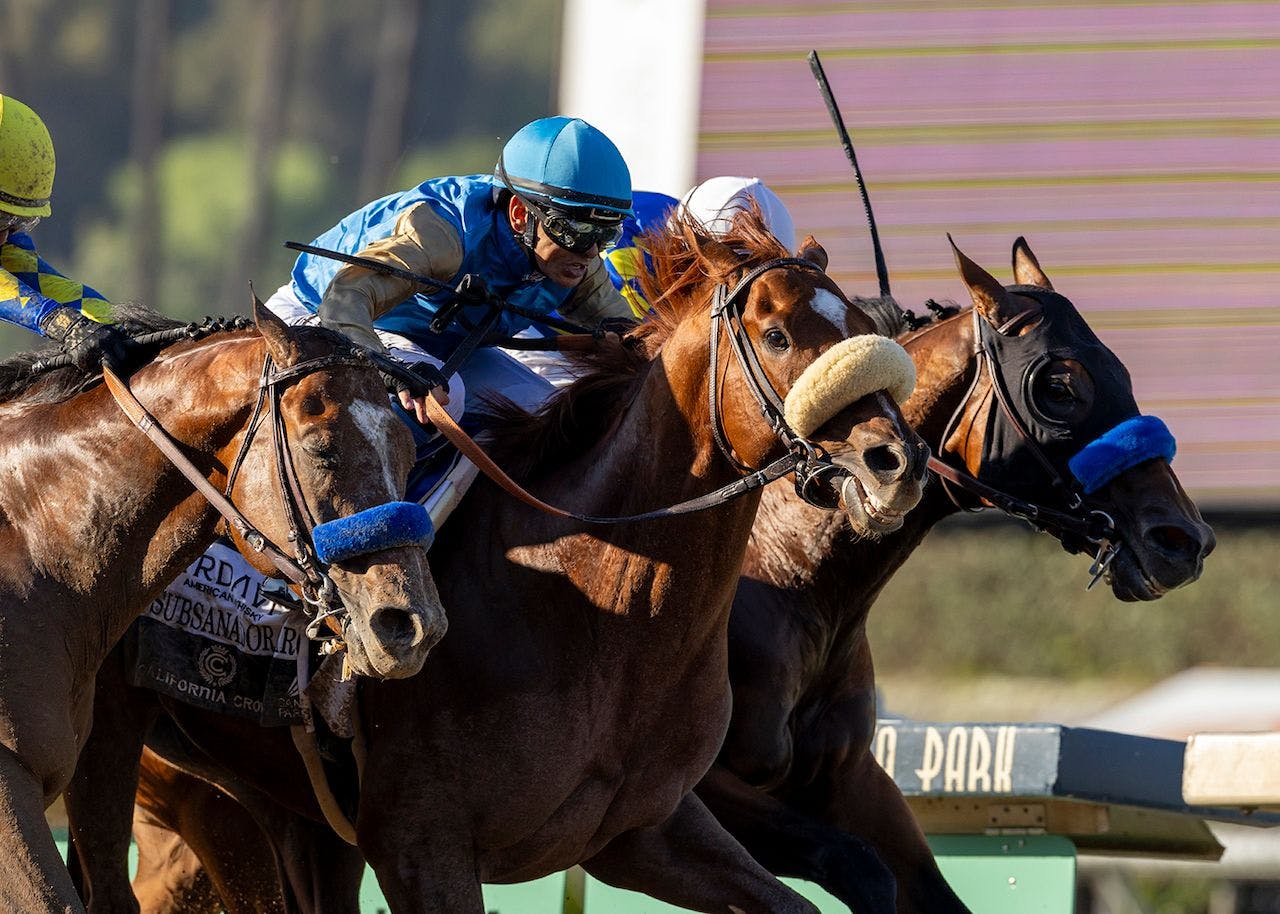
528 236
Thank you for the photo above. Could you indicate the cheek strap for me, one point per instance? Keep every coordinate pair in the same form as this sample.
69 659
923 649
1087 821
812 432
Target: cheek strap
397 523
1130 443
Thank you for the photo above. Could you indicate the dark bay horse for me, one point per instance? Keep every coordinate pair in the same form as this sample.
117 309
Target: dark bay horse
796 775
94 521
583 690
797 758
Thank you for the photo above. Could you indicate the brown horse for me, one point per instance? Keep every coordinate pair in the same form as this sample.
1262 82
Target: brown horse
797 757
584 689
94 521
796 761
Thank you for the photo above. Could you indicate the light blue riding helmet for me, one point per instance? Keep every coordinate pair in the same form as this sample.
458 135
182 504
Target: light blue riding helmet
566 163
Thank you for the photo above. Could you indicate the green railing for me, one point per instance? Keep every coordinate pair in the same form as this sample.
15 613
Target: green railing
1026 874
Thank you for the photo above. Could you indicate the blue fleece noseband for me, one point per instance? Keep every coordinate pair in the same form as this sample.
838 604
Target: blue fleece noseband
397 523
1130 443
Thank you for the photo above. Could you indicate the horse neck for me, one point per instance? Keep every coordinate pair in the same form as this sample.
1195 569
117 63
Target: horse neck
830 577
677 572
133 522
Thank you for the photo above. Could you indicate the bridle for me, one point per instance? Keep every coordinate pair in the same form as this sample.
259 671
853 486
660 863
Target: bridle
1094 526
803 457
321 599
810 465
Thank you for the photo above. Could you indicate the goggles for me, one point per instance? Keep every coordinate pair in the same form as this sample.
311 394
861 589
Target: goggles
10 222
577 235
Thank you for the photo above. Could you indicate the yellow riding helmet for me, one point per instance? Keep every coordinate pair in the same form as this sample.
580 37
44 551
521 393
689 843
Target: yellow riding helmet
26 160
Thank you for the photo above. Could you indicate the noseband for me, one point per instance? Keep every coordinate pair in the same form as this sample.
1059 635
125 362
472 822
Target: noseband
810 465
320 597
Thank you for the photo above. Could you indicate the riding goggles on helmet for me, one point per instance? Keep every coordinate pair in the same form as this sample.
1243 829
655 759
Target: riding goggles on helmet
577 235
10 222
602 228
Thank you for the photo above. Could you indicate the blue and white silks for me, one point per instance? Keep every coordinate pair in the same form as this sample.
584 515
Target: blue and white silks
489 250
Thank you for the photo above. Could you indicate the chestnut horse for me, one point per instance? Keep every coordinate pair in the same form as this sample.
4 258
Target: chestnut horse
584 689
81 558
796 761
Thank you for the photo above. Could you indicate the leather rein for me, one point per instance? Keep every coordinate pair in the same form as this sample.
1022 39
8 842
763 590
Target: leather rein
802 458
1096 527
320 597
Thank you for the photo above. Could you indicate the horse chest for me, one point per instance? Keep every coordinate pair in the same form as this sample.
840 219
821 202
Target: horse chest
599 774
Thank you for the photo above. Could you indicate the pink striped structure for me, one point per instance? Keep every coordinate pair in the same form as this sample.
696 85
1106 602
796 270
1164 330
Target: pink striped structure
1135 144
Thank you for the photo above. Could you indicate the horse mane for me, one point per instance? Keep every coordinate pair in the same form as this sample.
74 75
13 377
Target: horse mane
683 264
20 379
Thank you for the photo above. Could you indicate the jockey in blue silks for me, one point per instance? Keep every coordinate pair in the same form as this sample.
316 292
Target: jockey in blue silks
533 231
32 293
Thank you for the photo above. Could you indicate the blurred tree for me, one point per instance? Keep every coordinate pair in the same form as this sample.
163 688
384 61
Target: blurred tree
362 99
267 92
389 102
149 101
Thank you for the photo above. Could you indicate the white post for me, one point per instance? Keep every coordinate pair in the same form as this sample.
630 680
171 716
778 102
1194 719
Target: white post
633 68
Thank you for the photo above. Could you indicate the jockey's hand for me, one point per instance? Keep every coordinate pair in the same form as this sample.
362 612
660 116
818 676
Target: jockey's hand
90 344
413 383
416 406
620 326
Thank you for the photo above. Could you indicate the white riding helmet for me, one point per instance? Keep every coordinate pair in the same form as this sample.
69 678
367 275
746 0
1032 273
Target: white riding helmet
714 201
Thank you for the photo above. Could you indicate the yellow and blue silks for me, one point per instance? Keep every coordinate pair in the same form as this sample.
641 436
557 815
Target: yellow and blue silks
30 289
625 259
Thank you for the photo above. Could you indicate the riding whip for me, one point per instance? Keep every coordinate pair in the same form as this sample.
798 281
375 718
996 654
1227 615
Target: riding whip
882 272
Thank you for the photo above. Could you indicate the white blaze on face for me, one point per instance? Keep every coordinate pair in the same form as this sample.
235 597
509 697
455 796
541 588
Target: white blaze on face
829 305
374 423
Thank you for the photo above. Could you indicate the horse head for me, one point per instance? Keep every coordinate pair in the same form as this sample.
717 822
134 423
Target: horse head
1054 410
793 364
338 454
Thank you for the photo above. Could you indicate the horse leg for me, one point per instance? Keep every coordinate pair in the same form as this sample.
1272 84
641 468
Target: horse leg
315 870
788 842
33 879
861 798
422 867
319 871
100 795
414 882
170 877
692 862
198 848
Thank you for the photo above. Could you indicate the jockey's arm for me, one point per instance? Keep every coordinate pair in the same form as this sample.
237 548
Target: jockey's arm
423 242
32 293
37 297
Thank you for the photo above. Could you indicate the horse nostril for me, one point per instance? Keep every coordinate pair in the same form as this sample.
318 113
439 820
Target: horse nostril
885 460
1175 541
396 626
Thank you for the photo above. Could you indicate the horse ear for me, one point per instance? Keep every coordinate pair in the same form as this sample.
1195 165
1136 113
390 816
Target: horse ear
1026 269
990 299
720 255
815 253
284 351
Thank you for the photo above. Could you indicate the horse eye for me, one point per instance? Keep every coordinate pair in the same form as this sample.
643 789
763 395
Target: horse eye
777 340
312 405
1060 390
